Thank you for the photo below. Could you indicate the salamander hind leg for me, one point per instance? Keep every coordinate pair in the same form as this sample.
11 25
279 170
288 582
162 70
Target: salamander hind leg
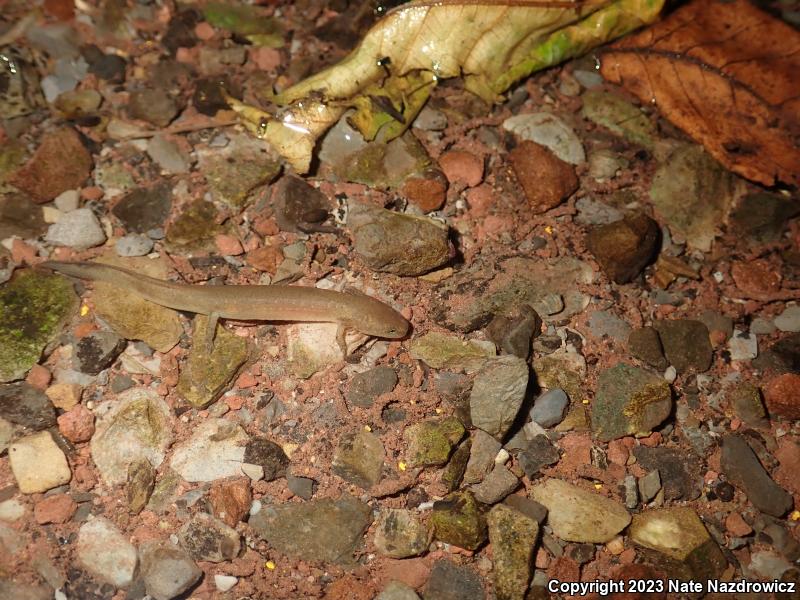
210 333
341 332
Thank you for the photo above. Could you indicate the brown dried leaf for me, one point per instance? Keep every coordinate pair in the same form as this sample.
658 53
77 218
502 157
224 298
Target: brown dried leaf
727 74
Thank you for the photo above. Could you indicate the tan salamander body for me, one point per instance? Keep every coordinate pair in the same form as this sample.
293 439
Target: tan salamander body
251 302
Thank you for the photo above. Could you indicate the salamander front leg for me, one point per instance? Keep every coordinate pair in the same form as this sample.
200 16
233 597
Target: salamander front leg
211 330
341 332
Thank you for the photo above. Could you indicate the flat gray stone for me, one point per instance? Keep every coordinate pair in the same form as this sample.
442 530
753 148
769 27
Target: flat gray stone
497 394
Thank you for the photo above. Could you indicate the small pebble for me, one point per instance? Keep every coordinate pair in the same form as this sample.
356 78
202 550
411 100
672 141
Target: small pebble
78 229
225 582
133 245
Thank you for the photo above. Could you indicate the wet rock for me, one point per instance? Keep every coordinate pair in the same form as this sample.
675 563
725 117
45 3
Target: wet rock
319 530
619 116
743 469
474 295
105 552
418 244
139 486
195 228
782 395
358 458
396 590
236 171
137 424
686 344
430 442
133 245
54 509
762 217
458 519
513 333
629 401
539 452
497 394
462 167
215 451
745 399
38 464
692 192
483 451
156 106
34 306
625 247
145 208
370 384
209 539
449 581
207 375
97 351
167 570
680 542
400 533
381 165
20 217
298 205
22 404
789 319
441 351
645 344
550 408
59 164
513 537
132 317
564 369
78 229
545 179
548 130
680 471
577 515
498 484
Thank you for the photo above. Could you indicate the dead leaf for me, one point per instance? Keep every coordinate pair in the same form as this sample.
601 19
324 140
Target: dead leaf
389 76
727 74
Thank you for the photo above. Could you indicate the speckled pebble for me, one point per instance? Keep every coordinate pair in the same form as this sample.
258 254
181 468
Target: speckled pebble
133 245
78 229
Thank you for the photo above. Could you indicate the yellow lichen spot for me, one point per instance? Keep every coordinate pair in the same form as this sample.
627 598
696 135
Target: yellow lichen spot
401 465
585 401
549 230
598 486
795 516
84 310
367 428
270 565
438 411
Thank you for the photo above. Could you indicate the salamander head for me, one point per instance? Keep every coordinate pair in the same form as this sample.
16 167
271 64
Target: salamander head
382 321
